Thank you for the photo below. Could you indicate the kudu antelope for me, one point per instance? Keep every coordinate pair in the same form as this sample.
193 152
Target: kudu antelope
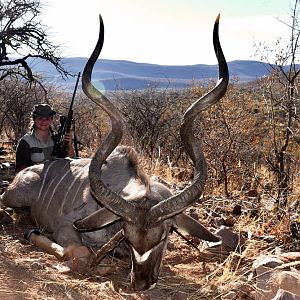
89 202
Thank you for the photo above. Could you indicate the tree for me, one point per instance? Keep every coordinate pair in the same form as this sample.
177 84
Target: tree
150 115
230 134
280 93
23 37
17 99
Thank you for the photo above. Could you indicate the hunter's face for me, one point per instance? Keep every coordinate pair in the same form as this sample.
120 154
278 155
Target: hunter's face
43 123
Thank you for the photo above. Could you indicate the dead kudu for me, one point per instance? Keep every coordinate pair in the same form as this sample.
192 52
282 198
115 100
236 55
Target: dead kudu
86 203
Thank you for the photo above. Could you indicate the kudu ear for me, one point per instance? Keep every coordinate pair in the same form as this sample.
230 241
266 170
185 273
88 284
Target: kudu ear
96 220
194 228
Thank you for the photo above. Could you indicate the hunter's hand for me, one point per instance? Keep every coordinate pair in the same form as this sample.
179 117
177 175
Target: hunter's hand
68 138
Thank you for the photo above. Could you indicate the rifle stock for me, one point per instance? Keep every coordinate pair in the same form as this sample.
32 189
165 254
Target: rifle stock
61 147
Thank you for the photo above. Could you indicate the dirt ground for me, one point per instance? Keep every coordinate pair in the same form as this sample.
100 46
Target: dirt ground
28 273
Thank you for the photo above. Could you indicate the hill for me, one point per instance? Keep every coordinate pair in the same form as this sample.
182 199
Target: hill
120 74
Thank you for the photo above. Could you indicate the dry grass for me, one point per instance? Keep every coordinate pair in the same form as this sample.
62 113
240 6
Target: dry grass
28 273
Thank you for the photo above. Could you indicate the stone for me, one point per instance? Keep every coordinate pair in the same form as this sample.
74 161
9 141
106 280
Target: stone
229 222
289 256
288 281
231 241
237 210
252 194
266 261
271 275
219 221
284 295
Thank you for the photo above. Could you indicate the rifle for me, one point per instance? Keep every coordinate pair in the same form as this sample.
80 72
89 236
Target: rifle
61 146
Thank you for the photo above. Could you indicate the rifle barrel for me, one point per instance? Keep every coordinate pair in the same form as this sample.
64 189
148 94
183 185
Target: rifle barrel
74 92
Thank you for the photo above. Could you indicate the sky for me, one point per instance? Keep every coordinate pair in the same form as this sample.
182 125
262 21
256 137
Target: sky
166 32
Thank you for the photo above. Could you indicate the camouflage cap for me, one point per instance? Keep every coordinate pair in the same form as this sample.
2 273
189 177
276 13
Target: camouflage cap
43 110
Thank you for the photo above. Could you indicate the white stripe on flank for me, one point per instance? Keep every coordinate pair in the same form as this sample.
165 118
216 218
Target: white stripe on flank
46 192
79 188
76 177
141 258
44 178
49 187
86 168
55 188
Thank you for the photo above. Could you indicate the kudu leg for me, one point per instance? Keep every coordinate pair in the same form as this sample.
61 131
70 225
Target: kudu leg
77 257
42 242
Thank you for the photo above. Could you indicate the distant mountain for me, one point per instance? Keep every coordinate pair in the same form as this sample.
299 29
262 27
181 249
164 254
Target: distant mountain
119 74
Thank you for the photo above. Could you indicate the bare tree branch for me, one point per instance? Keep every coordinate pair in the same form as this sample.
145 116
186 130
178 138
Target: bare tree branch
24 37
